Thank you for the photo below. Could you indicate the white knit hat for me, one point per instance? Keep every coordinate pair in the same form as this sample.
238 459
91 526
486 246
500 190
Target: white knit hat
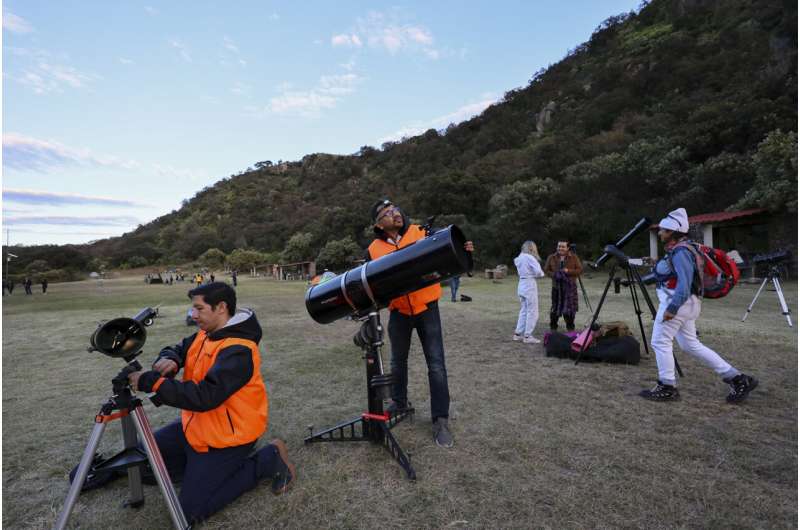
676 220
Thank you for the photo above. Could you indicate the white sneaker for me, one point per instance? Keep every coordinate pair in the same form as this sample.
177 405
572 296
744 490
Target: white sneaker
517 337
531 340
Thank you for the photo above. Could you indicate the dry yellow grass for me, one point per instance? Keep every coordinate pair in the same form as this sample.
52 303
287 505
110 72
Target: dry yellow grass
540 443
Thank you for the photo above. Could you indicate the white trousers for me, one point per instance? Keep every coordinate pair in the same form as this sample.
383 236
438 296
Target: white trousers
529 306
682 328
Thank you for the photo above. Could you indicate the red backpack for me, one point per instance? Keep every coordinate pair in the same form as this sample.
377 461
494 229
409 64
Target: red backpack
717 273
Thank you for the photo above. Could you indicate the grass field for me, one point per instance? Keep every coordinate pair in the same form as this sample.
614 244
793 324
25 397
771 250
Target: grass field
540 442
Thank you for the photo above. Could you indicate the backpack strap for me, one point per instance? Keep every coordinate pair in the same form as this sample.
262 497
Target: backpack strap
699 264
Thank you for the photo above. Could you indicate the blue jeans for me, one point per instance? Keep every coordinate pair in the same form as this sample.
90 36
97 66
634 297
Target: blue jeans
455 281
214 479
429 330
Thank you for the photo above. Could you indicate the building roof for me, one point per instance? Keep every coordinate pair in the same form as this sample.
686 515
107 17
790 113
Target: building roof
718 217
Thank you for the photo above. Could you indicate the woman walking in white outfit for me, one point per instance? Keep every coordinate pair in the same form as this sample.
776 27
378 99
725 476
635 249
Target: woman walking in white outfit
528 269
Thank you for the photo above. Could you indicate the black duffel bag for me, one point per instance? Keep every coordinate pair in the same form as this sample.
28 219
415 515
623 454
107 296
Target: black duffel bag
623 350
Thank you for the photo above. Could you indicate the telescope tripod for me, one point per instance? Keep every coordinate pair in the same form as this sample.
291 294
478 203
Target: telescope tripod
774 275
131 458
633 280
585 296
374 425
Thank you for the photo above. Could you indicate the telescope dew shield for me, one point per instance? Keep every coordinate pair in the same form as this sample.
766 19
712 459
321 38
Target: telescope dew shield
640 227
431 260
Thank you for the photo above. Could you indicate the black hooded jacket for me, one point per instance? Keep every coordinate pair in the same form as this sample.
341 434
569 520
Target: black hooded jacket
232 369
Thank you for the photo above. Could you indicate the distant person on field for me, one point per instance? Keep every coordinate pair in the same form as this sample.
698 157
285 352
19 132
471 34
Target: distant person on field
234 278
678 287
455 281
28 283
528 269
224 407
44 285
563 267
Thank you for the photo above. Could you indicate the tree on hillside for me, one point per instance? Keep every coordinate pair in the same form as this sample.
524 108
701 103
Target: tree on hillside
298 248
776 174
212 258
241 259
338 254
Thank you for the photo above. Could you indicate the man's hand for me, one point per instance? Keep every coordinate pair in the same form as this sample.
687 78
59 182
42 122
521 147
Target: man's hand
133 379
668 316
166 367
469 247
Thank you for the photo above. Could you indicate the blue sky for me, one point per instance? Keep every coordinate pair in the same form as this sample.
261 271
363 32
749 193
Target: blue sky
115 112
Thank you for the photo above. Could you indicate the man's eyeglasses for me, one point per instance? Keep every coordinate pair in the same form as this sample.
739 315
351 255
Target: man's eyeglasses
389 211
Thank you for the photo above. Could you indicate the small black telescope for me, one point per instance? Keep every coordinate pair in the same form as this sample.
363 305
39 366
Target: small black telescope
374 284
641 226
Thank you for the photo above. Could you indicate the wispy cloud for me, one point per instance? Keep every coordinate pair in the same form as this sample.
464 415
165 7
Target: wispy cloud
32 154
15 24
241 89
462 113
171 172
68 220
274 16
383 31
44 73
62 199
125 60
183 51
344 39
150 10
231 53
329 91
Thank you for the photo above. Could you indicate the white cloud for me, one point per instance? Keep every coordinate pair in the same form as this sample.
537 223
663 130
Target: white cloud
382 31
229 44
241 89
46 198
461 114
325 95
32 154
171 172
124 60
352 41
15 24
182 49
152 11
42 72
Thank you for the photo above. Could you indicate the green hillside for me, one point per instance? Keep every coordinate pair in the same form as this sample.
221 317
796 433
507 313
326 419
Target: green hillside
684 103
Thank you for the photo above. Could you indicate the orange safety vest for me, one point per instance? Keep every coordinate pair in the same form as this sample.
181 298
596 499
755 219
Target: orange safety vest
241 418
415 302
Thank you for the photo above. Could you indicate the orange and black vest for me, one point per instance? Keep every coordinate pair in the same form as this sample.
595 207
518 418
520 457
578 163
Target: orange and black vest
415 302
241 418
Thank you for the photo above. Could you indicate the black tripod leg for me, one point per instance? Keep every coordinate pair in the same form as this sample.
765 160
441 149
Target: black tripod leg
80 475
632 281
159 468
597 311
585 296
396 451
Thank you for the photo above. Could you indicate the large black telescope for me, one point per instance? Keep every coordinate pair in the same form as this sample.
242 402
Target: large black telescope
374 284
640 227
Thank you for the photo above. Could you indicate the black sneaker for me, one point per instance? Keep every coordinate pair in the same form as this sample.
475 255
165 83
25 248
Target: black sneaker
661 392
741 385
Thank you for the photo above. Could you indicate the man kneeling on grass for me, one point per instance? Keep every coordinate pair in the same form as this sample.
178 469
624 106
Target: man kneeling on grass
223 405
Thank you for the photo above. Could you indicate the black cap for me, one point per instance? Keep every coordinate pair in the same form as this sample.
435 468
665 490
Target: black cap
377 207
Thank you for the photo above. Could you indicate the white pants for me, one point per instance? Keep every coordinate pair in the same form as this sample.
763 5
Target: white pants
529 306
682 328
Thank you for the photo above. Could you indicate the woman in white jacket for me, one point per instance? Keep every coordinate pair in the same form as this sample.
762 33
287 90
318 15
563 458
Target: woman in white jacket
528 269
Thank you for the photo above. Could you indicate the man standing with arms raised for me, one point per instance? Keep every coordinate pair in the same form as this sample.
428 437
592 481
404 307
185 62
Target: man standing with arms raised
416 310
